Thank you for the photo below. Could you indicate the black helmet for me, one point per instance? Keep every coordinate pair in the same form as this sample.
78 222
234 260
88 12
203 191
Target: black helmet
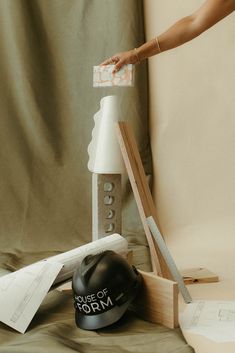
103 286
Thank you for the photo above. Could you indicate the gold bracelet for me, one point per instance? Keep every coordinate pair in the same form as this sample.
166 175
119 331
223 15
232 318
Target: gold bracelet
137 55
158 45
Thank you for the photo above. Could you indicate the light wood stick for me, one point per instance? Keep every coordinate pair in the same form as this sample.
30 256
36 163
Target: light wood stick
141 192
149 207
138 193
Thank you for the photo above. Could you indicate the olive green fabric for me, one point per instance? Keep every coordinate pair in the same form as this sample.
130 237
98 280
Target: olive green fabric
53 331
47 104
48 49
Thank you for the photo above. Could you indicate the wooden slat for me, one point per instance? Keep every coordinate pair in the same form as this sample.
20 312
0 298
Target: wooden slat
138 192
141 192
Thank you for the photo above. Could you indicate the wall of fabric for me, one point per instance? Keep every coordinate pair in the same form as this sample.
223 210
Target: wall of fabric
47 103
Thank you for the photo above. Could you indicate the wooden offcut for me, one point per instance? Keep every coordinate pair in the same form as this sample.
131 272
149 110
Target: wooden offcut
157 301
198 275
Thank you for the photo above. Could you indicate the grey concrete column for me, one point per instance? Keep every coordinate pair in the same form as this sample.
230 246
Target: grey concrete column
106 205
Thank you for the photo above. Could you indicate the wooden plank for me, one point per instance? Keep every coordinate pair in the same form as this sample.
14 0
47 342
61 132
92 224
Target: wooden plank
150 209
157 301
198 275
141 192
138 193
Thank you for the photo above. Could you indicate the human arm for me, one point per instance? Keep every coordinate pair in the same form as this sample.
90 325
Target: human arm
184 30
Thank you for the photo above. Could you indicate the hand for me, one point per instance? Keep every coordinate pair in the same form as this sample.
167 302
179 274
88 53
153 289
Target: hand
123 58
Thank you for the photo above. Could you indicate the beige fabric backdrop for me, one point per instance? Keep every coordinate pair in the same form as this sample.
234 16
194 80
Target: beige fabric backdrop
192 118
193 138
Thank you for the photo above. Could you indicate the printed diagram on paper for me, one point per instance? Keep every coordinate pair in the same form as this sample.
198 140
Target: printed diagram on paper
213 319
22 292
227 315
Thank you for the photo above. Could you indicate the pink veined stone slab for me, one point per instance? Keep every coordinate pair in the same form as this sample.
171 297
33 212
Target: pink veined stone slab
103 76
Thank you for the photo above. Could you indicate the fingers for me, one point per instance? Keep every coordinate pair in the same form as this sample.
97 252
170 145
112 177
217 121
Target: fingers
114 60
118 66
106 62
110 61
120 59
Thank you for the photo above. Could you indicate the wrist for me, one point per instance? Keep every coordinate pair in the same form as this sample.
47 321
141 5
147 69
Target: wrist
147 50
157 45
137 56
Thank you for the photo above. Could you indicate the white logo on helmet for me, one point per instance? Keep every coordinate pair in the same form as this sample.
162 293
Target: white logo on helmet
94 303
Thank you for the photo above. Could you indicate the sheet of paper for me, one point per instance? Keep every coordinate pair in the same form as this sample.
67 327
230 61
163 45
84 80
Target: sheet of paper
212 319
73 258
22 292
